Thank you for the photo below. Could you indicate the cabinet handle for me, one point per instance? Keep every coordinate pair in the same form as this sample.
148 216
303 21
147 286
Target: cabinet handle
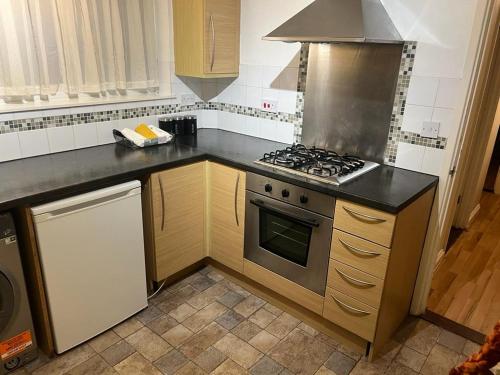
352 280
363 216
350 308
357 250
236 199
162 194
212 27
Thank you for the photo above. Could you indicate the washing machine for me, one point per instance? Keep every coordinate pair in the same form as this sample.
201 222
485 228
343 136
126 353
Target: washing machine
17 338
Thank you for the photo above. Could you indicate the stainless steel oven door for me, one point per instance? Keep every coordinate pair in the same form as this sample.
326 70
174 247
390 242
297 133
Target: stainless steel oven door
288 240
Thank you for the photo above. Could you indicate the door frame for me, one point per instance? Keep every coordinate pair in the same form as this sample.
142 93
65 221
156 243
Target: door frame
443 212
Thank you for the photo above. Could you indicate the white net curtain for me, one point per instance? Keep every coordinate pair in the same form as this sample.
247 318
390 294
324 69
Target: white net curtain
76 46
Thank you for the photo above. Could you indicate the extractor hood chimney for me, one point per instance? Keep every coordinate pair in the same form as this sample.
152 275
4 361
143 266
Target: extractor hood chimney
330 21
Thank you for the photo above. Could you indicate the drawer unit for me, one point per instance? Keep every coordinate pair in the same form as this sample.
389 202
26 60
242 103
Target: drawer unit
358 253
374 225
350 314
354 283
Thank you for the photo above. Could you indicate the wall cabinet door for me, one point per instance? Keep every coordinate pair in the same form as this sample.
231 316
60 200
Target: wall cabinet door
178 207
227 215
207 38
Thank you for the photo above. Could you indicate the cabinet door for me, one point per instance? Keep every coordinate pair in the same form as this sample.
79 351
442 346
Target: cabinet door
222 36
227 215
178 218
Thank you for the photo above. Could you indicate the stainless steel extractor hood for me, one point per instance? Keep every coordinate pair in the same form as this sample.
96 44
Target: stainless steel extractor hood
323 21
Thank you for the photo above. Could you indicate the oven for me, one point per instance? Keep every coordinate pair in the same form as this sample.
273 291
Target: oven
288 230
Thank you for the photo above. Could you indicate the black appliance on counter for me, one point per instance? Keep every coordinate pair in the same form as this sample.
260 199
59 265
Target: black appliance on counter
179 125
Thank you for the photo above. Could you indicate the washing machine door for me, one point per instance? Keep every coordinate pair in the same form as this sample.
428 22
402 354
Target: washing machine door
6 301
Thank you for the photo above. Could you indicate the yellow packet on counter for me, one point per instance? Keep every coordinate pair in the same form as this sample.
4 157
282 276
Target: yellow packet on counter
143 130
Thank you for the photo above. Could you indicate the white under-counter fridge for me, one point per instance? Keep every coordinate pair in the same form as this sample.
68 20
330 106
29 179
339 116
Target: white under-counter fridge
92 254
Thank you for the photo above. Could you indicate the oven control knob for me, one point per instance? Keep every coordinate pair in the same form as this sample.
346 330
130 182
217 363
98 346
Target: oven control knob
268 188
303 199
285 193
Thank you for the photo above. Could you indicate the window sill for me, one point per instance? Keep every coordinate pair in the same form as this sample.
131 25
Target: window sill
80 102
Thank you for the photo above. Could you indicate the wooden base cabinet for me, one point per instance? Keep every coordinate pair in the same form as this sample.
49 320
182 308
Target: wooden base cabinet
175 211
226 197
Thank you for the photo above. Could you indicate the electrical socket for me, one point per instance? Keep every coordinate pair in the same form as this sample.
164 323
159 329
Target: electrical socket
269 105
430 129
188 99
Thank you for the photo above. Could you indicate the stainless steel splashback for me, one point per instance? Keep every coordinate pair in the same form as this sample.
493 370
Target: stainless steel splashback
349 97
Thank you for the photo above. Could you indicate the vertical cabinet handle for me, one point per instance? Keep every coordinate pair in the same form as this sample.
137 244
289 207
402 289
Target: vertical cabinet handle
212 27
236 186
162 194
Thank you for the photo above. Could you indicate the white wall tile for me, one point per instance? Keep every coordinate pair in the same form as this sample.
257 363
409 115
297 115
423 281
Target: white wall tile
254 96
410 156
422 91
284 132
447 93
432 162
61 139
414 116
6 116
208 119
242 75
446 118
268 129
254 75
34 142
287 101
105 131
252 126
271 76
288 79
10 148
85 135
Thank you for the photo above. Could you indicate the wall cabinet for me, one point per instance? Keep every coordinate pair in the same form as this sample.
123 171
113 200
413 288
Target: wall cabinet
226 188
175 210
207 38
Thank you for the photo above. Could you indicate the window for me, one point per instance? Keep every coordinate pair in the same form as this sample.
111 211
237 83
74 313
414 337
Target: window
75 47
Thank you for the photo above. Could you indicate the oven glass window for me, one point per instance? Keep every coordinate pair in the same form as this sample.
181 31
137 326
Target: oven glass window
284 236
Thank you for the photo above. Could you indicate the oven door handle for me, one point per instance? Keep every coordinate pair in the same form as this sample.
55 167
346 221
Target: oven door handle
265 206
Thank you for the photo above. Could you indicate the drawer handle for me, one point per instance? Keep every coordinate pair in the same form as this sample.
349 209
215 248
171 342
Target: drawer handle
358 250
363 216
350 308
352 280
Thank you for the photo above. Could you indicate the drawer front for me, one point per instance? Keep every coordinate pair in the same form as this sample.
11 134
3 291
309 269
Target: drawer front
350 314
354 283
358 253
364 222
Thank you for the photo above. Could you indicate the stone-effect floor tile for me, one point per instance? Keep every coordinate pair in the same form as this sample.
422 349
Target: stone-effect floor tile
230 299
249 305
324 371
230 319
210 359
301 353
66 361
149 344
238 350
266 366
162 324
205 316
203 340
117 352
37 363
440 361
263 341
307 329
246 330
177 335
171 362
206 269
411 358
262 318
202 283
215 276
470 348
229 367
136 364
208 296
235 287
273 309
104 341
190 369
95 366
398 369
452 341
343 349
366 368
423 337
182 312
340 364
282 325
148 314
128 327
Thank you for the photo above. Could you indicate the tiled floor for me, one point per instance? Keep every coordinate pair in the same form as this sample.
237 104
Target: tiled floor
207 324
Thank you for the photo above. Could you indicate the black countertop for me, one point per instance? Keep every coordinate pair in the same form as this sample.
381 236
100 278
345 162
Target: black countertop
51 177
